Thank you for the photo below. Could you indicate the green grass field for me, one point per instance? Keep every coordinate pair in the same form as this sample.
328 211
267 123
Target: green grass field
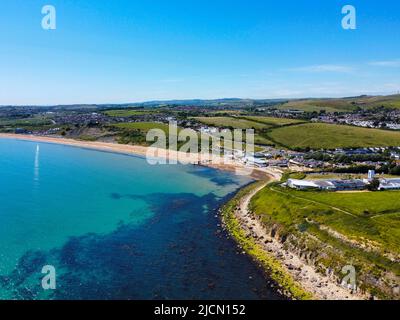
384 101
363 204
343 105
236 123
328 105
272 122
338 221
362 215
262 140
142 126
28 122
247 122
329 136
260 124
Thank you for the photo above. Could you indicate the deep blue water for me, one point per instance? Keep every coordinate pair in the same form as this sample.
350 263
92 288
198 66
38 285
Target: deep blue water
115 227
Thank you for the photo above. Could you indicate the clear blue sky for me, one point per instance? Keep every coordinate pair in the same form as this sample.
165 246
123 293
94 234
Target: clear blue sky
119 51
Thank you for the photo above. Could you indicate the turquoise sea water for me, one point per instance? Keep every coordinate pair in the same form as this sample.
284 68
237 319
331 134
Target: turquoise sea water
115 227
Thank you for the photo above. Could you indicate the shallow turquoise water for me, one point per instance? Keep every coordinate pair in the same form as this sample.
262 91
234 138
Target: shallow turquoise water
116 228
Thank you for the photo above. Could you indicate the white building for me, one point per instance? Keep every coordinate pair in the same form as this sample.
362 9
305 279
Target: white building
252 160
371 175
343 185
328 185
389 184
301 184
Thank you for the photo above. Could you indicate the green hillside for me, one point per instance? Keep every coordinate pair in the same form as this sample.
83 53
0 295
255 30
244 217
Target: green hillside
344 104
269 121
328 105
236 123
330 136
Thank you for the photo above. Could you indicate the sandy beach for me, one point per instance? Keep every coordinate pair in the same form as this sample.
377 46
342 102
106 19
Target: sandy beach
321 286
156 154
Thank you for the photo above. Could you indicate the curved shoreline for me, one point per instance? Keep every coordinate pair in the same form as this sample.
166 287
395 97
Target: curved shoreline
244 228
298 279
211 161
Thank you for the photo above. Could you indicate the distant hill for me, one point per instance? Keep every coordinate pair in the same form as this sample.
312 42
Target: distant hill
343 104
330 136
346 104
225 102
228 102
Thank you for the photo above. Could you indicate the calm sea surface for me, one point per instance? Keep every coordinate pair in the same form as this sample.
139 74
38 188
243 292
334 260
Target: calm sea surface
115 227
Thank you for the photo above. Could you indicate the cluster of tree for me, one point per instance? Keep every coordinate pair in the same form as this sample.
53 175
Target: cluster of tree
300 149
319 156
132 136
354 169
395 171
391 168
343 158
348 159
374 185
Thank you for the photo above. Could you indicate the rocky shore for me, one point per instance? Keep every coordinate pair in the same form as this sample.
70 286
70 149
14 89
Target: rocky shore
320 286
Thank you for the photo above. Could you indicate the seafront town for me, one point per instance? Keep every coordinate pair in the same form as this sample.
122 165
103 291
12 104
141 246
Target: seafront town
344 185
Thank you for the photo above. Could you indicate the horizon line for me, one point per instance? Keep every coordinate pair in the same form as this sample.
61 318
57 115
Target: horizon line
194 99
